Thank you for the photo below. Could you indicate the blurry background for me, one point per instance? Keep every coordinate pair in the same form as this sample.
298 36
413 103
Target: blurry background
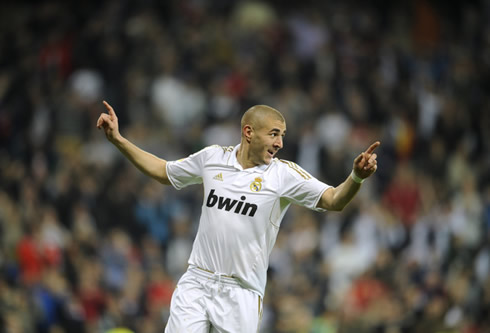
87 243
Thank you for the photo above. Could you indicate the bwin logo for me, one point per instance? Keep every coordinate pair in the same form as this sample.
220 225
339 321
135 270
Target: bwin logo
228 204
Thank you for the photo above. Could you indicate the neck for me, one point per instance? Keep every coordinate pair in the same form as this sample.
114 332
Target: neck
243 156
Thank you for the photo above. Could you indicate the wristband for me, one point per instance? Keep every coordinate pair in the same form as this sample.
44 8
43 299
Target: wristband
356 178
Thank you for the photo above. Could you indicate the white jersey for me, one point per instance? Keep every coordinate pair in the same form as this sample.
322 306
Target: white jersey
242 209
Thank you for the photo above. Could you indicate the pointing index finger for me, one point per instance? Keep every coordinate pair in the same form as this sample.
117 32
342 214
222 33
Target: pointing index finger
109 108
372 147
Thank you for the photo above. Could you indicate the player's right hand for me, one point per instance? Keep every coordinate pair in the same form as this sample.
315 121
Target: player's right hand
108 122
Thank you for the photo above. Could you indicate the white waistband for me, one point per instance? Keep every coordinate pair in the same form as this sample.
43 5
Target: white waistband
218 277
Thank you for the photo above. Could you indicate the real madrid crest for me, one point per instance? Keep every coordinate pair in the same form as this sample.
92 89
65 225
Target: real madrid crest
256 186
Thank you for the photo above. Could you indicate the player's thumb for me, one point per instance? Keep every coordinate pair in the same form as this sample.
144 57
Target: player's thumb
359 158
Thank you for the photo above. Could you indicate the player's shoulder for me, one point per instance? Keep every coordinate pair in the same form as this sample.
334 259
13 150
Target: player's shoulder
217 152
224 149
289 168
212 149
221 150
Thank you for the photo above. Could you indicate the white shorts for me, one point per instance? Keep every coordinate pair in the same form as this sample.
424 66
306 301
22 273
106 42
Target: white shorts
205 302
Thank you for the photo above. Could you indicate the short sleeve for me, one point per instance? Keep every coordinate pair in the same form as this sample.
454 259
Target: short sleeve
301 188
188 171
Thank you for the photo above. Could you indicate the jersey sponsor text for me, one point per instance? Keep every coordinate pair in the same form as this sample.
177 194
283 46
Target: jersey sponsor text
241 207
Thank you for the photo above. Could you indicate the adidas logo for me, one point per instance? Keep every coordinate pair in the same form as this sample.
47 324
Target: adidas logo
219 177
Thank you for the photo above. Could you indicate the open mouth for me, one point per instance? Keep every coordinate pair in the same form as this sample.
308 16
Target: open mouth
271 153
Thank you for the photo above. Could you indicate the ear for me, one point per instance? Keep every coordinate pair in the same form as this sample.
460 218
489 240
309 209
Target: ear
247 132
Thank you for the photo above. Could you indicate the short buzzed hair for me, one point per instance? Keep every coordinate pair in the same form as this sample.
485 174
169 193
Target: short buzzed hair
256 115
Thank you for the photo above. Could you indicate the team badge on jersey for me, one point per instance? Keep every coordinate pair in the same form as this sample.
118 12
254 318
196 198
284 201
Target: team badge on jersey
256 185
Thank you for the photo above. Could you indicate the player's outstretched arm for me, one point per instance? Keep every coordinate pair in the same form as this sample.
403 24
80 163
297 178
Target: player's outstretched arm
336 198
148 163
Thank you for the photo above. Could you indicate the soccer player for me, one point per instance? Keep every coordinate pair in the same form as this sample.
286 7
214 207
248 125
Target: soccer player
247 191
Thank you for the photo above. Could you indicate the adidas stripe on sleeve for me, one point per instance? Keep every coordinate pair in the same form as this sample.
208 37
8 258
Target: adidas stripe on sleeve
301 188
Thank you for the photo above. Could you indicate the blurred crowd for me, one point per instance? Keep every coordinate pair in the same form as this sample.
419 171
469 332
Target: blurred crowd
90 245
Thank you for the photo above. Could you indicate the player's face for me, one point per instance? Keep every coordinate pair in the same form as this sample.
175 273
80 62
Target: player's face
267 141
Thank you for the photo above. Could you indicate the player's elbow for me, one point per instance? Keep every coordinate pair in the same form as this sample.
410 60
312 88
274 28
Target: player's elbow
164 181
160 173
331 201
332 206
337 207
161 177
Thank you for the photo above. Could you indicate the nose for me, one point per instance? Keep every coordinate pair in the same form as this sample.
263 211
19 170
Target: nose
278 143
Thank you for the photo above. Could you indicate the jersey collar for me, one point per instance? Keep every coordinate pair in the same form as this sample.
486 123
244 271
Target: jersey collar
233 161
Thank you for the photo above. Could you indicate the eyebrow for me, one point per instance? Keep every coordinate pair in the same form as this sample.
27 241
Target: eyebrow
276 130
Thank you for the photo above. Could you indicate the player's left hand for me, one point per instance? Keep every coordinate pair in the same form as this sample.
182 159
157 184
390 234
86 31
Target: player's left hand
365 164
108 121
